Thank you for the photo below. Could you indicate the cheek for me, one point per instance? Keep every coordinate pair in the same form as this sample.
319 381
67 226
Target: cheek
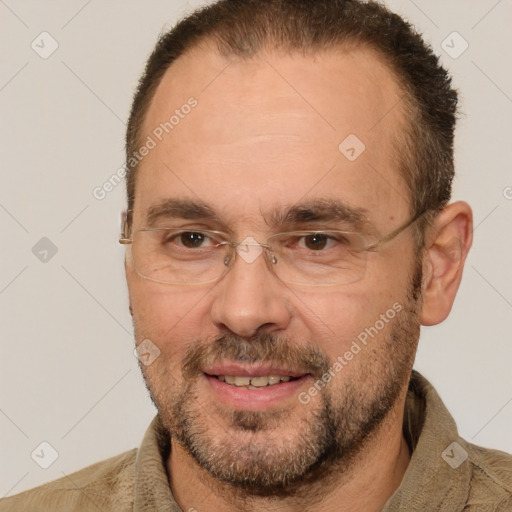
170 317
335 319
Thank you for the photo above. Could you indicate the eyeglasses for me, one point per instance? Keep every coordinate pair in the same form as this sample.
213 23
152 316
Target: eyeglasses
183 256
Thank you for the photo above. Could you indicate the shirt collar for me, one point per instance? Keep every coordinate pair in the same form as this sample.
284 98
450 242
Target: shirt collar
432 434
151 485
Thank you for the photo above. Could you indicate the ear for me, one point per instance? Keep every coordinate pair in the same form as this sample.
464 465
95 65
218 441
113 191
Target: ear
448 243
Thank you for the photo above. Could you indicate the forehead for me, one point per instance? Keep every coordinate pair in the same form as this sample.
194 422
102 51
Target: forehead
274 129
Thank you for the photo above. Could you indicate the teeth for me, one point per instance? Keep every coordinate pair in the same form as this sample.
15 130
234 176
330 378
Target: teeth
253 382
259 382
242 381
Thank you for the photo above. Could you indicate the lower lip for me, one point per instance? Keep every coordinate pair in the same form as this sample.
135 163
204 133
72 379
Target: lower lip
255 399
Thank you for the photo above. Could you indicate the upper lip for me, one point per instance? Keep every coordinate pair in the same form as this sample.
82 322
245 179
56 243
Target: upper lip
251 370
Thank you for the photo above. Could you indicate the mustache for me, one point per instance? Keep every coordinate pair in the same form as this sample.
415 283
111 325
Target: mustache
260 348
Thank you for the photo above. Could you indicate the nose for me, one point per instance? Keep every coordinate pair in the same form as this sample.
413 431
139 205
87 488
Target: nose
249 298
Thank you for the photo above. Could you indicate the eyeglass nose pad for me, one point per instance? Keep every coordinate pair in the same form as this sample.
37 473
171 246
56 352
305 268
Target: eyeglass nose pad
249 243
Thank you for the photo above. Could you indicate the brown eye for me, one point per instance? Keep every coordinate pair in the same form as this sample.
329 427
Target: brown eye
316 241
192 239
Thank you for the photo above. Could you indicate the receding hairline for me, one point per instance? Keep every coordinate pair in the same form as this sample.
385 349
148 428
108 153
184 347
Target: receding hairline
209 45
424 145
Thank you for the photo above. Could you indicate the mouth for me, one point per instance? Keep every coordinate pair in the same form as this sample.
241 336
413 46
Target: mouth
255 382
254 386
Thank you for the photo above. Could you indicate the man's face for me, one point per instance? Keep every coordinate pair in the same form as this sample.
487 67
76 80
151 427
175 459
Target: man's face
262 141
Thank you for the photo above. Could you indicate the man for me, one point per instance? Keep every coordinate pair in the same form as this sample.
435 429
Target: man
288 231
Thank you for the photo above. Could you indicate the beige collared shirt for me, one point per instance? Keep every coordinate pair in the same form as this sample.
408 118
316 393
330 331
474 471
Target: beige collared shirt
445 472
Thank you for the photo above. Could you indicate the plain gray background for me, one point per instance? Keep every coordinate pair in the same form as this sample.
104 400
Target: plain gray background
68 374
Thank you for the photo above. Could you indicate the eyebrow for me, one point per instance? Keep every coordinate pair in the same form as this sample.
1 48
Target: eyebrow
320 210
179 209
316 210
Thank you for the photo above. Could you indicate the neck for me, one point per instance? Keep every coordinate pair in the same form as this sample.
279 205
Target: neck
373 477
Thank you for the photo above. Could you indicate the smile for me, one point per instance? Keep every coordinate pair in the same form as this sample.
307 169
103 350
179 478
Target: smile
254 382
256 386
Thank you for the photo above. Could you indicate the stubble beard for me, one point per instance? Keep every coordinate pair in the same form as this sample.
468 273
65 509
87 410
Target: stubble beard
281 453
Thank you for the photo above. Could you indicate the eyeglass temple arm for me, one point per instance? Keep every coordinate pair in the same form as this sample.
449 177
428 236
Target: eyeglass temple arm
394 233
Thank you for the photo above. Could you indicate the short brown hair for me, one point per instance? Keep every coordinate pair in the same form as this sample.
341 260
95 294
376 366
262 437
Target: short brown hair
242 28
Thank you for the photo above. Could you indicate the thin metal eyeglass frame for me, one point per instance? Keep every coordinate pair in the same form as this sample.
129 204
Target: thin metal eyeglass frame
268 249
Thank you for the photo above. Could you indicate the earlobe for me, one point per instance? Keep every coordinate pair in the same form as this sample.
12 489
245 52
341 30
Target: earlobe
449 241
